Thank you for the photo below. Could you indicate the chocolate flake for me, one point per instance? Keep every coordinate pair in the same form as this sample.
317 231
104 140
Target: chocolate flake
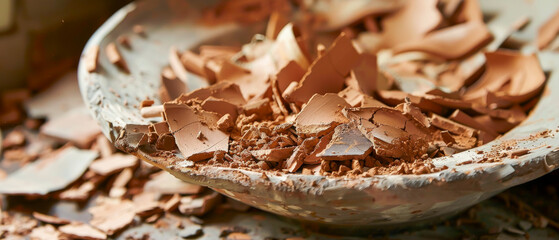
114 56
347 143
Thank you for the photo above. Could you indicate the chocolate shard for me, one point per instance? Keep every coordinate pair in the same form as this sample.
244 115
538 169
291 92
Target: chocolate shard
50 173
176 65
185 124
321 114
220 90
118 186
91 58
114 163
499 125
512 76
165 183
411 23
548 31
50 219
46 232
366 73
313 157
65 128
112 215
253 82
295 161
337 14
171 88
347 143
327 73
394 97
114 56
79 230
199 206
272 155
289 47
452 126
259 107
453 42
385 139
463 118
221 107
193 63
276 22
291 72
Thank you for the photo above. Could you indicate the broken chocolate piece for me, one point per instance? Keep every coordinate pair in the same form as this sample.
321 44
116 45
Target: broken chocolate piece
112 215
272 155
452 126
50 219
115 57
226 123
450 43
366 73
548 31
91 58
185 125
65 128
510 76
199 206
295 161
165 183
321 114
326 74
79 230
347 143
114 163
50 173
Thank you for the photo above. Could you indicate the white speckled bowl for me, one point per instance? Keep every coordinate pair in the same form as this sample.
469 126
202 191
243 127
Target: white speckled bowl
376 201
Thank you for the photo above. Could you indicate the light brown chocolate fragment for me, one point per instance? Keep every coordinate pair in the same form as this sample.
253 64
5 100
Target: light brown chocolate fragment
461 117
276 22
199 206
313 157
366 73
15 138
193 63
272 155
295 161
347 143
79 230
50 219
177 65
112 215
452 126
225 123
452 42
259 107
91 58
114 56
326 74
321 114
165 183
65 128
185 125
548 31
139 29
113 163
118 187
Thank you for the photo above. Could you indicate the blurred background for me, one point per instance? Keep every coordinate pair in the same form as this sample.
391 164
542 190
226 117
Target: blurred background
42 40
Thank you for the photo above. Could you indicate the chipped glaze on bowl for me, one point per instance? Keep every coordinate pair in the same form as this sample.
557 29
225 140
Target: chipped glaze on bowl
384 200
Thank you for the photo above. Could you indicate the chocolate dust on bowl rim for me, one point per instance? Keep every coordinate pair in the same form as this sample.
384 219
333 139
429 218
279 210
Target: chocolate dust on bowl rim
393 92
